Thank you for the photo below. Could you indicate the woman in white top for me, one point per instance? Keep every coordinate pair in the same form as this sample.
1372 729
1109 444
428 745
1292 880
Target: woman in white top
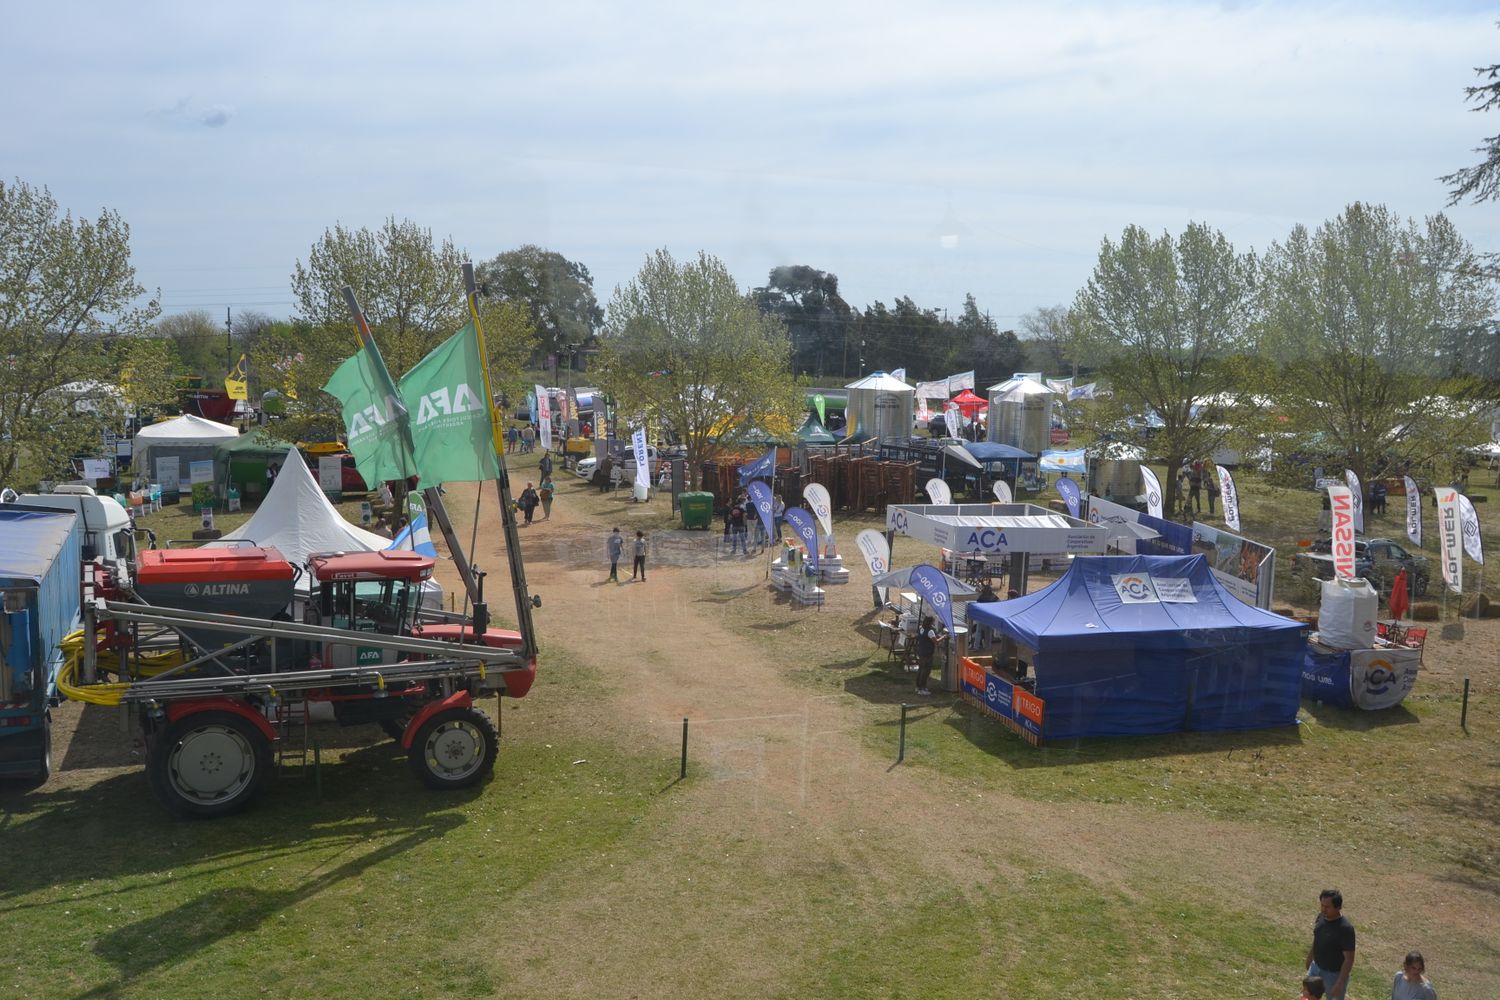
1411 982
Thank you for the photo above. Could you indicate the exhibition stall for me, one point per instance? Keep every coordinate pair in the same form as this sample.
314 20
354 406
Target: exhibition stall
1131 645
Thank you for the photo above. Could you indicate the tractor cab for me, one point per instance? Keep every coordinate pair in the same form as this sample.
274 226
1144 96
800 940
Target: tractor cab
375 592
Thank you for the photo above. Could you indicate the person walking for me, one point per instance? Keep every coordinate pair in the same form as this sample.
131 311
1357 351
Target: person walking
639 565
1332 953
528 440
616 547
545 492
544 465
1411 982
1195 487
1213 494
512 438
528 501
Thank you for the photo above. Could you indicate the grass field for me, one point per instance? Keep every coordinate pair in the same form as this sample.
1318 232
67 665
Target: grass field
1169 867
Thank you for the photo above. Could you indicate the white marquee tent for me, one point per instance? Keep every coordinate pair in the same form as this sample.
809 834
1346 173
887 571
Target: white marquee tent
187 437
298 519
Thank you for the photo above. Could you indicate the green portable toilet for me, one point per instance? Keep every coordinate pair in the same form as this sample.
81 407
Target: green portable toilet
697 509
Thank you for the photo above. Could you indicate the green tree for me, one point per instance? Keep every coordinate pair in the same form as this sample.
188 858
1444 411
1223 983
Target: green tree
817 318
1044 333
1359 318
200 344
682 342
556 293
1481 182
1164 322
66 288
411 289
148 374
991 352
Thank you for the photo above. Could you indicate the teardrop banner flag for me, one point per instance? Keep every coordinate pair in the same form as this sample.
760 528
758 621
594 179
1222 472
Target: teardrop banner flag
877 552
820 403
543 417
1002 491
642 458
760 496
1341 511
932 587
816 495
1450 531
1359 500
1153 492
938 492
1231 498
950 419
1068 490
1470 520
807 529
1413 512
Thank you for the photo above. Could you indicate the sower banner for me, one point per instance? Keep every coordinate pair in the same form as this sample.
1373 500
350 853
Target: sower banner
932 587
1413 512
1231 498
807 529
950 419
1068 490
816 495
1341 510
760 495
1450 531
1153 492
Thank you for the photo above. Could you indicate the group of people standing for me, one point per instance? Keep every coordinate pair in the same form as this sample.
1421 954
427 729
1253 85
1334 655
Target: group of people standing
1195 480
741 514
534 496
1331 958
615 547
521 439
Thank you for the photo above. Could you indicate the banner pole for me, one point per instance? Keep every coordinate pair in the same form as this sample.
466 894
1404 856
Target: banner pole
502 480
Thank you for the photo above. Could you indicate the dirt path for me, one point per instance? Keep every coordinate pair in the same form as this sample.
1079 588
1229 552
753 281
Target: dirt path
792 788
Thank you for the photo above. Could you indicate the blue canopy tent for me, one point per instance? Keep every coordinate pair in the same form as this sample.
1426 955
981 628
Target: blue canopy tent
1130 645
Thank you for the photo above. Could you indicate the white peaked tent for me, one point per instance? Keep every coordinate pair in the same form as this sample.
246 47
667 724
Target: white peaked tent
298 520
188 437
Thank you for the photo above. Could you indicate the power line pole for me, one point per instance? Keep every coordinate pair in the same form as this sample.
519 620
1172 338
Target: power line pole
229 338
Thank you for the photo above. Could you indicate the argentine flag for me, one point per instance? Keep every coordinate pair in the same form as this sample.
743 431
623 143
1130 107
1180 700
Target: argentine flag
415 535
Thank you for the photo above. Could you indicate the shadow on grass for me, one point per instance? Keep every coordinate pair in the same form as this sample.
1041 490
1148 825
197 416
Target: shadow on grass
106 837
988 735
1475 867
1358 720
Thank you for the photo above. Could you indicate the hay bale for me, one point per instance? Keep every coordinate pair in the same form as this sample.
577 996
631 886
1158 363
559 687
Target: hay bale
207 534
1427 611
1479 606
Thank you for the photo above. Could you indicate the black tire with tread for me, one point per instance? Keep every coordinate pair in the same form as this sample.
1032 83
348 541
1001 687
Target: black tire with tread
437 754
164 758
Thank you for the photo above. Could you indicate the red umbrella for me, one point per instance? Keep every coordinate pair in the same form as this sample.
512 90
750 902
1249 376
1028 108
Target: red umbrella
1399 602
969 403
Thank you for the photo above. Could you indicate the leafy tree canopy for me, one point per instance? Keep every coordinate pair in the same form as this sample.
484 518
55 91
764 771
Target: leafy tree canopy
683 345
557 294
67 288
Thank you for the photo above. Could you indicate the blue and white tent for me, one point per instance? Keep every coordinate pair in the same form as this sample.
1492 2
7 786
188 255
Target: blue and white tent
1129 645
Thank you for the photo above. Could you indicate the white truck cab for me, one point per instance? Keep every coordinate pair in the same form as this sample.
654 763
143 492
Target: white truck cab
108 531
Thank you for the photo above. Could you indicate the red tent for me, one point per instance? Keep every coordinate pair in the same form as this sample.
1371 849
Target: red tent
969 404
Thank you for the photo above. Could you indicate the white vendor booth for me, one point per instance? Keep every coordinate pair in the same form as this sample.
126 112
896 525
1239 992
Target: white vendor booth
990 530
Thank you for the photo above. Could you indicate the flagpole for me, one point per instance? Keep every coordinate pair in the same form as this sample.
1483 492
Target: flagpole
502 479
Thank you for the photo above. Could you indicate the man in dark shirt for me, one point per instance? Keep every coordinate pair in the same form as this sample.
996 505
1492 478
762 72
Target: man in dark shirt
1332 953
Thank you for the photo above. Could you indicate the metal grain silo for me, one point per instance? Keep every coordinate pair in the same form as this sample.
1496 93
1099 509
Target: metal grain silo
1021 414
881 405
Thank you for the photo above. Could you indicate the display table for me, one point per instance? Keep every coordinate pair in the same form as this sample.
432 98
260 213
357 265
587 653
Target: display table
1370 679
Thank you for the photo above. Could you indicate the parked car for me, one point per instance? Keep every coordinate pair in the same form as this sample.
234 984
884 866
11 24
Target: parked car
1376 559
585 467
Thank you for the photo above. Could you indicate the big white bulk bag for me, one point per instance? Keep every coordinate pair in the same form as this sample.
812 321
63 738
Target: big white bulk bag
1346 619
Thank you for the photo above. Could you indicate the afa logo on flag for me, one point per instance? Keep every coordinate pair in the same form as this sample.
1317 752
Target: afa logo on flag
446 402
371 420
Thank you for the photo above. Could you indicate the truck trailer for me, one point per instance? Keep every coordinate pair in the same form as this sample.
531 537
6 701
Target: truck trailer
41 568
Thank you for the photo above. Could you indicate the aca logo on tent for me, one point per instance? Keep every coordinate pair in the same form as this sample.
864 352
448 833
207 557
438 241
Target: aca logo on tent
1135 588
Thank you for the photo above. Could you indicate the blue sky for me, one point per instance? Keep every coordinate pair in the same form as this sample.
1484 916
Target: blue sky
970 147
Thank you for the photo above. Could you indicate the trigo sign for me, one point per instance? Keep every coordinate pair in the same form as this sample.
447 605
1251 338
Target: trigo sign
1341 504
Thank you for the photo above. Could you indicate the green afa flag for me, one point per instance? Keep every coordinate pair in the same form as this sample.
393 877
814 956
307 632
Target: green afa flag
373 419
450 417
